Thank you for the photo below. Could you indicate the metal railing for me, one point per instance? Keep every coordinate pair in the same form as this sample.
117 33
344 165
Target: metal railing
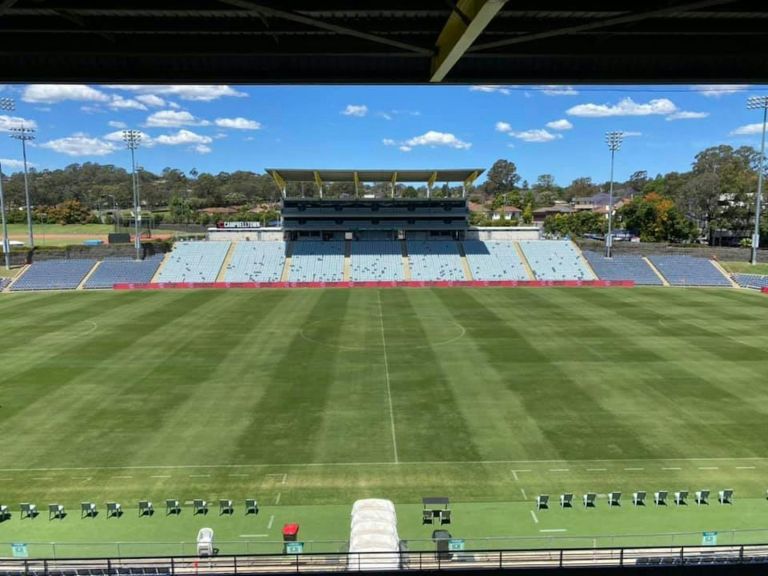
383 561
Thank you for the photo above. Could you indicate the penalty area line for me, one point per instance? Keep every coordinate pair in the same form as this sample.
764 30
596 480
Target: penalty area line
533 515
386 372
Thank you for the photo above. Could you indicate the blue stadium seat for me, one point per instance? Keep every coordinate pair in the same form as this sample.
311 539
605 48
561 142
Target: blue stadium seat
623 267
435 260
194 262
756 281
376 261
317 262
555 260
54 275
256 262
124 270
494 260
689 271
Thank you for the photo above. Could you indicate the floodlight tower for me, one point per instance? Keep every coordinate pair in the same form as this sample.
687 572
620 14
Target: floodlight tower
613 139
132 139
5 104
25 134
757 103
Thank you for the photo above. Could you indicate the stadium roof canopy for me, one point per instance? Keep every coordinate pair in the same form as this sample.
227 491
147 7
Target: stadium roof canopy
310 175
383 41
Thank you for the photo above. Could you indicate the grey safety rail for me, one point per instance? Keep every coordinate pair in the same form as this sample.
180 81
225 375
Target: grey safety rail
403 561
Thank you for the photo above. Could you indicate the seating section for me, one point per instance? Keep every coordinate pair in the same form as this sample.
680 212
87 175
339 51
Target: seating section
4 282
756 281
555 260
494 260
689 271
124 270
376 261
194 262
317 262
435 260
256 262
54 275
623 267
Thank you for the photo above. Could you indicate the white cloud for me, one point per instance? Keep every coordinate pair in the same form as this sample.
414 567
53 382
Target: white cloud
151 100
174 119
385 115
8 122
748 130
538 135
555 90
183 137
117 136
630 134
52 93
405 148
10 163
80 144
117 124
238 123
434 138
220 135
503 127
717 90
185 92
490 88
120 103
358 110
625 107
687 115
388 142
561 124
203 149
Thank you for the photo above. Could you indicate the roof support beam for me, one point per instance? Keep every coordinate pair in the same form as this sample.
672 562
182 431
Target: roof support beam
467 21
279 181
394 183
319 182
628 18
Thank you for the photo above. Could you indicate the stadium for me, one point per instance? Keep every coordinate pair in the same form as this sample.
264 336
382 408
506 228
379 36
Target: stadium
374 383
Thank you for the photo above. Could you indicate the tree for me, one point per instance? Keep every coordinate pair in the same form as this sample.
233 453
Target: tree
656 219
528 214
574 224
502 177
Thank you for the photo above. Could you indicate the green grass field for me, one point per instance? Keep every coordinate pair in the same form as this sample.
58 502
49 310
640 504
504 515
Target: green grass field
310 399
745 267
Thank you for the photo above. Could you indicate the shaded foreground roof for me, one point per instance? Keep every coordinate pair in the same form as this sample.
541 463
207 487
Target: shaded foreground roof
383 41
439 175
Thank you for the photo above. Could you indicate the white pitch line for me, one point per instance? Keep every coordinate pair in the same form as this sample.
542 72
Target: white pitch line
709 468
389 387
554 530
199 475
43 478
160 476
633 469
121 477
387 463
271 519
525 497
745 467
285 478
559 470
672 468
533 515
514 475
597 469
277 499
242 475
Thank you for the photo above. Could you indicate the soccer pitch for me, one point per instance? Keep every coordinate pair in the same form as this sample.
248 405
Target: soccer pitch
310 399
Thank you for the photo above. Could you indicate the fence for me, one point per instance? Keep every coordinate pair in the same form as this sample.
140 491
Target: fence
724 253
445 559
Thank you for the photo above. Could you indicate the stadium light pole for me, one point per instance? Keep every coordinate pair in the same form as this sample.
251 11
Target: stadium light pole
132 139
5 104
25 134
757 103
613 139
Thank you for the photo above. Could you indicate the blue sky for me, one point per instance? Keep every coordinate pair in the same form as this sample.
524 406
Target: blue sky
543 129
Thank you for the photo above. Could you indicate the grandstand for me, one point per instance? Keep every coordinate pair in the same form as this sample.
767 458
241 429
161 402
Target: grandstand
435 260
689 271
555 260
756 281
623 267
123 270
317 262
376 261
494 260
194 262
256 262
54 275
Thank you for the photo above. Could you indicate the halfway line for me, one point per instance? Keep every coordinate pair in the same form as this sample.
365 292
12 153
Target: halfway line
386 371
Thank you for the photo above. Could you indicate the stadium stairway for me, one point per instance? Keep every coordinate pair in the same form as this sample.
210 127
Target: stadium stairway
81 286
587 265
725 273
464 263
524 260
656 271
221 276
406 265
287 266
16 278
160 268
347 274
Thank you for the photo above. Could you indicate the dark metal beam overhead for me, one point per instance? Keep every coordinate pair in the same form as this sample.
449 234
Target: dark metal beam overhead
382 41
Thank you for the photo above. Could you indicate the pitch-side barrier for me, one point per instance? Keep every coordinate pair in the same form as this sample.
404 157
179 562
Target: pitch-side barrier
389 284
468 561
